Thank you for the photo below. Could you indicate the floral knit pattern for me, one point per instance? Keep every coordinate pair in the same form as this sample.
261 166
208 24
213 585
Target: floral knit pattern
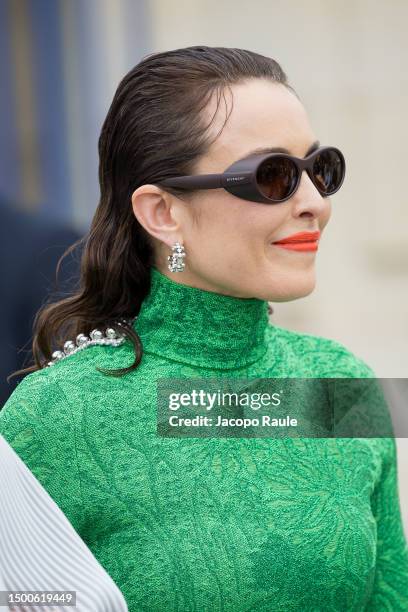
213 524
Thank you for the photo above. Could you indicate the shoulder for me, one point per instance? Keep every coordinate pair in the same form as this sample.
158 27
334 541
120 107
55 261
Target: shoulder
41 415
34 406
51 393
318 356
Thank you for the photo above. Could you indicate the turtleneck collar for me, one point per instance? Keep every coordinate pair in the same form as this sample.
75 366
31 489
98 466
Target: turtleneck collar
201 327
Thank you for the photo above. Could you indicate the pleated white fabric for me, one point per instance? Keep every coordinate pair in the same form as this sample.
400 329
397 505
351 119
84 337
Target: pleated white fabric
39 548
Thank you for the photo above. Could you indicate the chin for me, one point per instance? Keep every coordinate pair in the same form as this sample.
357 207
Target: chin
294 292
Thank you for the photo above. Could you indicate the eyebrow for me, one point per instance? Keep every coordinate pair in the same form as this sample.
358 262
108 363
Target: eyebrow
265 150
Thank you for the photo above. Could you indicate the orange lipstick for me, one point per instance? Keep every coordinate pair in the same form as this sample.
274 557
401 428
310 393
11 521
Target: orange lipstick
302 241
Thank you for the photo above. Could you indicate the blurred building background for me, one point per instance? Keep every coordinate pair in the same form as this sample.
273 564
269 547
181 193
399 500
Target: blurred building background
61 61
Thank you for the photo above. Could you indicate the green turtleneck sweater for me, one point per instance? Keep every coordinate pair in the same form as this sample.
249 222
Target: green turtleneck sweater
213 524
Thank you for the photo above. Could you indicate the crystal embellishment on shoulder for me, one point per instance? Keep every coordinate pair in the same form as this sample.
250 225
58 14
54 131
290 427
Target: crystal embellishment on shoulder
96 338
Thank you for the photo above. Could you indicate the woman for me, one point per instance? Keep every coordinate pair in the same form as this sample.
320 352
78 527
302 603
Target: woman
179 271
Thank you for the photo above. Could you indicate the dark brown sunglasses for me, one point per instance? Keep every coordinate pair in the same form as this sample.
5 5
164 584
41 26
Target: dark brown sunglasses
271 178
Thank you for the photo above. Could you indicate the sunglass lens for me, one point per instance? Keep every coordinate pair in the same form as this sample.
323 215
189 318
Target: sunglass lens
328 171
277 178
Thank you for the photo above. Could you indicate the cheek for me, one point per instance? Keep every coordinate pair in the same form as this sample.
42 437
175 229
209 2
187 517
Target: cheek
235 232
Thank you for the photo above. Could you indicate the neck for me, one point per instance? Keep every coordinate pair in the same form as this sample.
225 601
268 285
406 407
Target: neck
201 327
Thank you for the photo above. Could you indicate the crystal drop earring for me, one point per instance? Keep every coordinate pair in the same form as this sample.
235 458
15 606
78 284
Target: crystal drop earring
177 257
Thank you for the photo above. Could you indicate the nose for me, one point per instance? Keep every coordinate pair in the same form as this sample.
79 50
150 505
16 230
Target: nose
307 200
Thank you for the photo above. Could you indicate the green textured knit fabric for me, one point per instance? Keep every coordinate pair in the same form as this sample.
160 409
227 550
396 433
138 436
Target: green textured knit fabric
213 524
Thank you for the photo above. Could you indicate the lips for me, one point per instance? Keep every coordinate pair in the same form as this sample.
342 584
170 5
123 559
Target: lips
302 241
300 237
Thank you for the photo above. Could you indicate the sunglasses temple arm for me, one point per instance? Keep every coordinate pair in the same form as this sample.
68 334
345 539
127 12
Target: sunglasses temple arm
208 181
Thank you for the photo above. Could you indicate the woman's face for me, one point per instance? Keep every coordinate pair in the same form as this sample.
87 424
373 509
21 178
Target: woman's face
229 241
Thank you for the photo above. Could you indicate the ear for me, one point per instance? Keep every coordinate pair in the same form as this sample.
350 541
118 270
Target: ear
158 212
